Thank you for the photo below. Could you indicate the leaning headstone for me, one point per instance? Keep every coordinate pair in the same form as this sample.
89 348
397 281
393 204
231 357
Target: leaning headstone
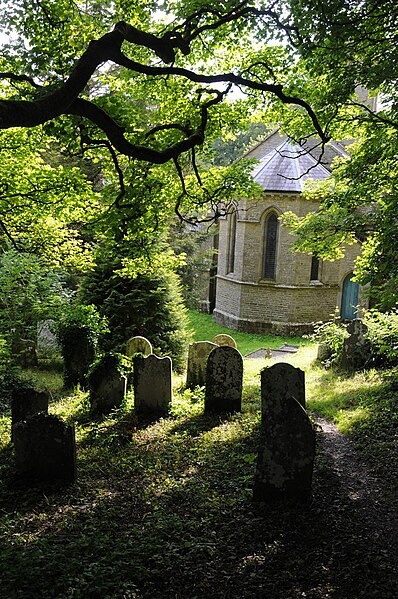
286 454
26 402
223 339
356 349
138 345
152 378
107 385
25 351
198 354
280 381
45 449
224 375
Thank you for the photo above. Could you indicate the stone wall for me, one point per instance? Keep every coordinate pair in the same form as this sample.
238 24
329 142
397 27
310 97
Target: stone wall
291 302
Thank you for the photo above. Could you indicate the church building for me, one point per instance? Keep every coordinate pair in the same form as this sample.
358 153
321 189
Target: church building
261 286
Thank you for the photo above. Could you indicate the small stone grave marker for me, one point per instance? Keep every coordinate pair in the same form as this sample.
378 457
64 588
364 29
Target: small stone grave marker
223 339
152 384
198 354
45 449
224 374
138 345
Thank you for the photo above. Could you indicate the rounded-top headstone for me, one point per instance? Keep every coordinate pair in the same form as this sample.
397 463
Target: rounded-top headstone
138 345
223 339
198 353
224 374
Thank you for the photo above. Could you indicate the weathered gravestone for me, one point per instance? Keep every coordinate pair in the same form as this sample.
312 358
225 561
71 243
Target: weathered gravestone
25 402
279 381
198 354
224 374
152 378
45 449
47 342
356 349
223 339
25 351
286 453
107 385
138 345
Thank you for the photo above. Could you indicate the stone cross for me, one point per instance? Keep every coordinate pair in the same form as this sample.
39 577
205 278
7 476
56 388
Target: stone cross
279 381
223 339
138 345
198 354
286 454
152 378
45 449
224 375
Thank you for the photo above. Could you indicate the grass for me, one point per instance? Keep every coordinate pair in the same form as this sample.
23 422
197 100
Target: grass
163 509
204 329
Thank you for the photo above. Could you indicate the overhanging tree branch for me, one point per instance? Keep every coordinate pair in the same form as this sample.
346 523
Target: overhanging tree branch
66 98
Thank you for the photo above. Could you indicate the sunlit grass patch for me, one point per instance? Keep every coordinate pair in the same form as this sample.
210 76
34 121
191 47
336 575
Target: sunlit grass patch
204 329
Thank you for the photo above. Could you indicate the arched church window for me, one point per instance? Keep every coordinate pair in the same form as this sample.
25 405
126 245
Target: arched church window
271 229
314 275
231 241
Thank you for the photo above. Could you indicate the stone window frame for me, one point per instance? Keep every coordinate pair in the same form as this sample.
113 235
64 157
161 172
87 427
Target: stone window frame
272 210
232 221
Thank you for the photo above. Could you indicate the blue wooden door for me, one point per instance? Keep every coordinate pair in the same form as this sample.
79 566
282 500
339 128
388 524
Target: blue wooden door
349 300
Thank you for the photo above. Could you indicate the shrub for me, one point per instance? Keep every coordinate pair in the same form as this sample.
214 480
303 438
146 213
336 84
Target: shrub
383 335
78 331
147 305
9 374
331 336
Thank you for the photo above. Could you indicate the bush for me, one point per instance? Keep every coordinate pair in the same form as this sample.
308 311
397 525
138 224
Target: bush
9 374
147 305
78 332
331 336
383 335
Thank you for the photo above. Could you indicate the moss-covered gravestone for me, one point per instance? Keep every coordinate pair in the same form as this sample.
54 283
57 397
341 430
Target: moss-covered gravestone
198 353
287 448
25 402
152 378
45 449
107 383
224 374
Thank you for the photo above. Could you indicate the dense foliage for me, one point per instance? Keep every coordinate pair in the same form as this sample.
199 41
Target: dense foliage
146 304
30 291
111 115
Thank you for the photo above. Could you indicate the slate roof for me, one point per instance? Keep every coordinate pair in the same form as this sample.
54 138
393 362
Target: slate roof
286 168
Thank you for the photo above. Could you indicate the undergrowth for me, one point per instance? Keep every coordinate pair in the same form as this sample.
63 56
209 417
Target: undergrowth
163 509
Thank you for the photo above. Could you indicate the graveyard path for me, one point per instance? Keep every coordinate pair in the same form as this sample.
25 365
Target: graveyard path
378 517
